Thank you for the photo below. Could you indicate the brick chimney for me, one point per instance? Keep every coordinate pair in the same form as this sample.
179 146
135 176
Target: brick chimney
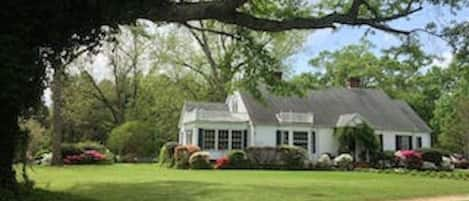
354 82
278 75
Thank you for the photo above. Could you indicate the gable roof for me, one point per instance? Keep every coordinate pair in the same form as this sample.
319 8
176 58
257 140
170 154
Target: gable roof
327 105
209 112
208 106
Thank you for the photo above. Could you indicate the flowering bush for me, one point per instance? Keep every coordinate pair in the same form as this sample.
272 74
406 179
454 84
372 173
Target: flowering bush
344 161
222 162
200 160
324 162
446 164
410 159
87 157
182 154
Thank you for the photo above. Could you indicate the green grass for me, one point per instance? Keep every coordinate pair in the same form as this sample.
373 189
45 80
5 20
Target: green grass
152 183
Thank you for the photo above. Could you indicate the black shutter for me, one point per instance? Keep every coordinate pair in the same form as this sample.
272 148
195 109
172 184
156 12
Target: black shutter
313 142
411 144
279 138
245 139
398 143
381 142
201 138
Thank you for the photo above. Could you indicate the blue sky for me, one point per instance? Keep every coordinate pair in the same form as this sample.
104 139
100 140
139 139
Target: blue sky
333 40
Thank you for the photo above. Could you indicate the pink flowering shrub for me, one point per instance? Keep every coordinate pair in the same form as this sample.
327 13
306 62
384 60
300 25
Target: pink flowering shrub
87 157
410 159
222 162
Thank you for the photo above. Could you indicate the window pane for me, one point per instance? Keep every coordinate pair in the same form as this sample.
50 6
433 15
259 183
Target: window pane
223 139
209 139
300 139
237 139
403 142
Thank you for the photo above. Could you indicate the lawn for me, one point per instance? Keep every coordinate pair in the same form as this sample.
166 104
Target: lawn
152 183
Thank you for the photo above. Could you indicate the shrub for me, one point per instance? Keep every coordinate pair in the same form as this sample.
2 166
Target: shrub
222 163
294 157
384 159
446 164
86 153
167 154
344 161
87 157
284 157
324 162
200 160
237 160
432 155
134 138
410 159
182 154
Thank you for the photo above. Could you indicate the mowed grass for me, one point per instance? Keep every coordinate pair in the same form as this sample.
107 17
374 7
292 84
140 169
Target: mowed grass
126 182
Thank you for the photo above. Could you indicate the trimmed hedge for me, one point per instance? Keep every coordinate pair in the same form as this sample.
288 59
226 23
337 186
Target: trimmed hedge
237 159
283 157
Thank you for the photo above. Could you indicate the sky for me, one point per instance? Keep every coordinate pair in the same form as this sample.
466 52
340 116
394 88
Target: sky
332 40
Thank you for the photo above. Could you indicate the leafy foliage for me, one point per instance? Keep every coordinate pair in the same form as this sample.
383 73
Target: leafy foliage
200 160
135 138
351 137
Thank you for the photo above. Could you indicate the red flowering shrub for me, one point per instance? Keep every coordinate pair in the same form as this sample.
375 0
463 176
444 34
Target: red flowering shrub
222 162
410 159
87 157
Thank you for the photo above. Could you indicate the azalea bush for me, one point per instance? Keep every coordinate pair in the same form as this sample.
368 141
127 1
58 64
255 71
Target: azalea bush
410 159
87 157
222 163
324 162
238 160
182 153
86 153
200 160
344 162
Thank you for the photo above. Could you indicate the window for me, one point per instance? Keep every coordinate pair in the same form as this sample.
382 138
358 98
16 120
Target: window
282 138
313 142
223 139
188 136
403 142
236 139
208 141
300 139
419 142
381 142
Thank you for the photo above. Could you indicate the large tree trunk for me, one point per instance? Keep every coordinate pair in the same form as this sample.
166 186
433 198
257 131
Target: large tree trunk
57 97
8 141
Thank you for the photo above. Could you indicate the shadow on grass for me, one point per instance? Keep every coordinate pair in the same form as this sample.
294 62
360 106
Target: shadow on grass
41 195
192 191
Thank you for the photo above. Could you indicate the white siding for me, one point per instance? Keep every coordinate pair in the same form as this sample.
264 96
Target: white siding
326 142
235 98
389 139
265 135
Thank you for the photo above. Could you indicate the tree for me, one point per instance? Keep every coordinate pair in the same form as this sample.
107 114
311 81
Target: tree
68 24
360 137
224 60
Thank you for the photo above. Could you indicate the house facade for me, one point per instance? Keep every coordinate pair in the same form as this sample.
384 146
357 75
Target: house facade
307 122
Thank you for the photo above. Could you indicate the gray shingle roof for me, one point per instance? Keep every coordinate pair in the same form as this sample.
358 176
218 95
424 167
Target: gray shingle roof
327 105
208 106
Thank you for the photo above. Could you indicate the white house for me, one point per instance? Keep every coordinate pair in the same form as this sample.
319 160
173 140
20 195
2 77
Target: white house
306 122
